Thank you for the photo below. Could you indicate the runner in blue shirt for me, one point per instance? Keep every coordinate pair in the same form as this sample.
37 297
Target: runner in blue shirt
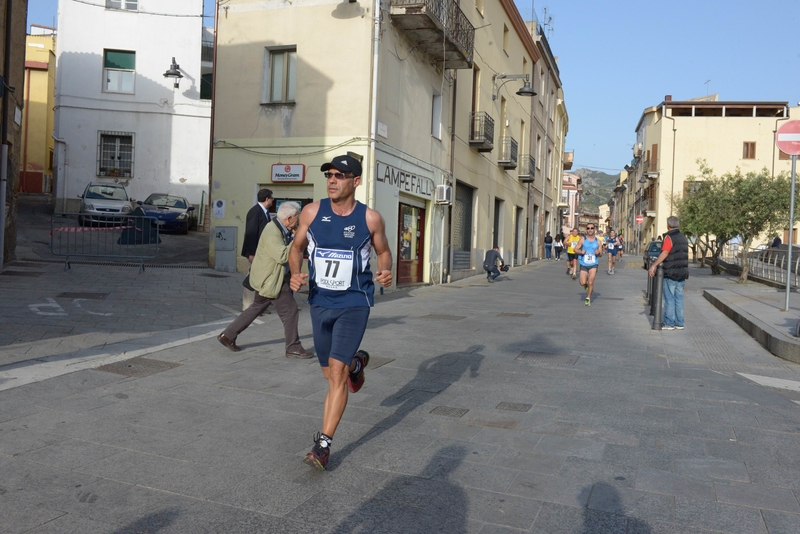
612 247
589 250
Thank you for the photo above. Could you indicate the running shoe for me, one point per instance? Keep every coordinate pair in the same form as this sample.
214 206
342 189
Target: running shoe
355 381
318 457
574 276
586 287
588 302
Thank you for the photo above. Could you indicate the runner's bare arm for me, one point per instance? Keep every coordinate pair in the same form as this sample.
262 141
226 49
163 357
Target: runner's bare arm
377 229
299 244
578 248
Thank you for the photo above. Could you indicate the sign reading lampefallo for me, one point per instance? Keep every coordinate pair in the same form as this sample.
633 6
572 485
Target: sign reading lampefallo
294 173
788 138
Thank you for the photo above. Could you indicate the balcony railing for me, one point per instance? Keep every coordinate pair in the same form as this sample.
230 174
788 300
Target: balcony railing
439 28
527 168
508 153
481 131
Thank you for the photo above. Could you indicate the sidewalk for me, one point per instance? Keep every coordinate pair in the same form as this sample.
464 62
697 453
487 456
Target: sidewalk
492 408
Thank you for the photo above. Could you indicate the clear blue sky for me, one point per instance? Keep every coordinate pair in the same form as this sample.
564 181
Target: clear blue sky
618 57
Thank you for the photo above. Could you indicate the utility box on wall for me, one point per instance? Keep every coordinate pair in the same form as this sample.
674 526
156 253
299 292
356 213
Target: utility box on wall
225 248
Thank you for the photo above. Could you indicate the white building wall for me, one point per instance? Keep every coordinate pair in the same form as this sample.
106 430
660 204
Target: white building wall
170 126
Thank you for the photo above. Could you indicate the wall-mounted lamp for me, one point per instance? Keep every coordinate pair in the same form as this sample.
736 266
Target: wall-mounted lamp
174 73
526 89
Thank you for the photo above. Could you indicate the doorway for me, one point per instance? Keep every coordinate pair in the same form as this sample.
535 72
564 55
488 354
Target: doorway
410 241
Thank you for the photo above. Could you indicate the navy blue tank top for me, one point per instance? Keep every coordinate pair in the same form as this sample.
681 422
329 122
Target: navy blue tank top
338 258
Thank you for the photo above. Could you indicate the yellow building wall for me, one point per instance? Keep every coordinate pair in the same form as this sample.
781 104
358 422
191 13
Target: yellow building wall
38 114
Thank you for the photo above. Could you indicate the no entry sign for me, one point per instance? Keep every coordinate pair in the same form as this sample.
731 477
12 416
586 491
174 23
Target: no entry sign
640 219
788 138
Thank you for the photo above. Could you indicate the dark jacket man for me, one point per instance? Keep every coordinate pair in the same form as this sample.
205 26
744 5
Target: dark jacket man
257 219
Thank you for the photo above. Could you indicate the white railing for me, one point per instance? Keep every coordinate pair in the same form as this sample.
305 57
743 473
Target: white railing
768 263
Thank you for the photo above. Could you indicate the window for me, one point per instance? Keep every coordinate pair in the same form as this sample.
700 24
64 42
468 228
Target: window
476 87
119 71
749 151
280 75
505 39
127 5
436 116
783 155
115 154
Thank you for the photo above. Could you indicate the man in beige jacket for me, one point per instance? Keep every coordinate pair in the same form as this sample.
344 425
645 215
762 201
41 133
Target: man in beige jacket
268 279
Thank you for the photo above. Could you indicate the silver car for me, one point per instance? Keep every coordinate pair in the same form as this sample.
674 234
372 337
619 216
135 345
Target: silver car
104 203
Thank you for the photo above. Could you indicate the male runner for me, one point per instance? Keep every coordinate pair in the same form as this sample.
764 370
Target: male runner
589 249
572 257
339 233
611 245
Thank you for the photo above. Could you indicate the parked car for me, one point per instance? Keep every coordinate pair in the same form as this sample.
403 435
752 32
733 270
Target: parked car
651 252
172 213
104 204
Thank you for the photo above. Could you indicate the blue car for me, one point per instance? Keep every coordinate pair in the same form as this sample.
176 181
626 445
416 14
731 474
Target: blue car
172 213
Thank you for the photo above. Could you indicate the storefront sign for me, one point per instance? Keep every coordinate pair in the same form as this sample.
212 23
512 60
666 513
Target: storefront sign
405 181
288 173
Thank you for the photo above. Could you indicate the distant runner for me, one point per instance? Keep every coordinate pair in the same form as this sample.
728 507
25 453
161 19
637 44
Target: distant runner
612 244
572 257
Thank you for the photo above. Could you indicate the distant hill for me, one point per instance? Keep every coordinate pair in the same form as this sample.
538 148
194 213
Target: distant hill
598 185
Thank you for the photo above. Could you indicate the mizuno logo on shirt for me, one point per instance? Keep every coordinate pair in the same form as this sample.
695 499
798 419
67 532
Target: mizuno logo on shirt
326 218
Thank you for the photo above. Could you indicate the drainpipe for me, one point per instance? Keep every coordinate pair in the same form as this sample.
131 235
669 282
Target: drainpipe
674 138
211 133
446 211
373 127
59 140
27 117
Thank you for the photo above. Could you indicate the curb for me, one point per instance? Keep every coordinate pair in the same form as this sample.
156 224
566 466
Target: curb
775 342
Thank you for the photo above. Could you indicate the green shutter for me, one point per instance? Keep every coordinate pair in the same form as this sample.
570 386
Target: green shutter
119 59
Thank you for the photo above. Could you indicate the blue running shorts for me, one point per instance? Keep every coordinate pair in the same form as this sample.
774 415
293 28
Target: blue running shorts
338 332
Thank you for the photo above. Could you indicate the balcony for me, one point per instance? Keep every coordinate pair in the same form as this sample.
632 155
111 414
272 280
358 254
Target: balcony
527 168
508 153
439 28
569 158
481 131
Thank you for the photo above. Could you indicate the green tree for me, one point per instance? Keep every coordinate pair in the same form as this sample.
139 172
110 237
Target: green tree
717 209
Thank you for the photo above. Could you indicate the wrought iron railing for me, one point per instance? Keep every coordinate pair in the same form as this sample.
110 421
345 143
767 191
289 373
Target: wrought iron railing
481 127
527 168
508 152
457 26
767 263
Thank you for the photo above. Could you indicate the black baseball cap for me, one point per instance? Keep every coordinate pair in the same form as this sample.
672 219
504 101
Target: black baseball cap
343 164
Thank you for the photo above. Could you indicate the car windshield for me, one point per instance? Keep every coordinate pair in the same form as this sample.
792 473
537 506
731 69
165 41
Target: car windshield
166 200
654 247
106 192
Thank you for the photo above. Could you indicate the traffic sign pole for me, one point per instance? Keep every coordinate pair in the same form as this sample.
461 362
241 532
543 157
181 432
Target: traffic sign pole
791 229
787 138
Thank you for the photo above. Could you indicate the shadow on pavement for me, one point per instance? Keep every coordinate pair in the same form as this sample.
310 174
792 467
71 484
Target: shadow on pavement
407 505
608 508
154 522
433 377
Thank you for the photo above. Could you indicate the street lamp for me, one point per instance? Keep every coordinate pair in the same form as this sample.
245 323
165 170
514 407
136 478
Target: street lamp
174 73
526 89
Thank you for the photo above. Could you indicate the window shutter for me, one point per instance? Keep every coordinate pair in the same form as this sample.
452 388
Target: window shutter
120 59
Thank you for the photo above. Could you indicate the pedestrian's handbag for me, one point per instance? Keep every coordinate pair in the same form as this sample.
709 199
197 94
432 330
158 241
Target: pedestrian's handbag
246 283
504 268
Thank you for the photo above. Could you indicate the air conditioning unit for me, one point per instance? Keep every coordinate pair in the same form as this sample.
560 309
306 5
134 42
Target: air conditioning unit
444 194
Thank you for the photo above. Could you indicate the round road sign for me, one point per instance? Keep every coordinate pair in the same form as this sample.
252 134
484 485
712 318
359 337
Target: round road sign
788 138
640 219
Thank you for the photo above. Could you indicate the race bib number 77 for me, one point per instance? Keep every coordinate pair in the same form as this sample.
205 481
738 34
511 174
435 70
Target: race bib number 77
333 269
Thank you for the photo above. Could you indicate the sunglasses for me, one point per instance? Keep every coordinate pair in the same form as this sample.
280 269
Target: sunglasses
337 175
590 227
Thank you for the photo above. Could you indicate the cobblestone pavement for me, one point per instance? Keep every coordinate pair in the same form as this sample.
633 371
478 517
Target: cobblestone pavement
492 408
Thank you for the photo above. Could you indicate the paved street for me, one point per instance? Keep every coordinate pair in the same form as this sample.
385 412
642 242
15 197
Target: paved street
493 408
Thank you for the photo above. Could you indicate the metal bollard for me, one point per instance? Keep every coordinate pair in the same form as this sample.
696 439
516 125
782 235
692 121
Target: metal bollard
657 307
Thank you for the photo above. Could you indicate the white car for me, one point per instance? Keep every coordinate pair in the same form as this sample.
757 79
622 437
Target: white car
104 204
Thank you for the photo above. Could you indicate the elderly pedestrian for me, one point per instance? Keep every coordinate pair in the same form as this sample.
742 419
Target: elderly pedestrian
675 257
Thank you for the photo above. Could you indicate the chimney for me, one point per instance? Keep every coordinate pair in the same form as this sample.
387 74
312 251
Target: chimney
668 98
